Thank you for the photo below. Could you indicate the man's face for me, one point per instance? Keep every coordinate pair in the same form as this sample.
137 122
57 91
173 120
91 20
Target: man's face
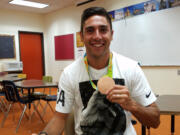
97 36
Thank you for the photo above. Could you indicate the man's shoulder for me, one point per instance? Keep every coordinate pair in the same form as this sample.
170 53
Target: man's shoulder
75 66
123 60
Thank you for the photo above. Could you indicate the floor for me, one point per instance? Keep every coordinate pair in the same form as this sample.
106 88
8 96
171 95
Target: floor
35 125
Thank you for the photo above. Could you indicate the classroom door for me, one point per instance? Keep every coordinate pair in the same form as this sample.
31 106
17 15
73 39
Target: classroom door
31 54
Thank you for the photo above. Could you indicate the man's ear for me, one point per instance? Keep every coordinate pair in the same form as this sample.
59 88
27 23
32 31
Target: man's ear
81 34
112 32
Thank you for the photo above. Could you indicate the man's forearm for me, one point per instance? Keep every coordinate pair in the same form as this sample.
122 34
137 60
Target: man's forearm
148 116
56 125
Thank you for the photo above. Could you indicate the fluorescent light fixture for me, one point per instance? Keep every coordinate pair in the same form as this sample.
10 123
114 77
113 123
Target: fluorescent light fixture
28 3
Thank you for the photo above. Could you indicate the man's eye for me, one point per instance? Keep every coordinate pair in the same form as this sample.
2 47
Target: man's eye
90 30
103 30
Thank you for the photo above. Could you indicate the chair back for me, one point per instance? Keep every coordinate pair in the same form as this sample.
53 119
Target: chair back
24 76
11 92
47 78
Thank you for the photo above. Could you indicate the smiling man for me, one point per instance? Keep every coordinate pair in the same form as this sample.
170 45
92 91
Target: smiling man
129 95
97 35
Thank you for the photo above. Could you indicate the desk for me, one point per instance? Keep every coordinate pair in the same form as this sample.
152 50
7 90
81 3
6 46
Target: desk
30 85
10 77
170 105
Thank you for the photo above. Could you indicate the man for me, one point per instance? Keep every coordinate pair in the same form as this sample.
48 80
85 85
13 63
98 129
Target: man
78 81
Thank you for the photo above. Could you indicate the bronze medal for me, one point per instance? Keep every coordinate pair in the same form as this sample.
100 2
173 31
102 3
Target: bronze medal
105 83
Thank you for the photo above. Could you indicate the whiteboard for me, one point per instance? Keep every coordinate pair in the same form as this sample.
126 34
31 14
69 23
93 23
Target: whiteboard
152 39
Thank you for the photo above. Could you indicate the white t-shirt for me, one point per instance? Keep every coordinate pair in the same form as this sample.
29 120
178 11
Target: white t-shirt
75 89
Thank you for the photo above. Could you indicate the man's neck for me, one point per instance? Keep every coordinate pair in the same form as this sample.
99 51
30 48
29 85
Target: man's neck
98 63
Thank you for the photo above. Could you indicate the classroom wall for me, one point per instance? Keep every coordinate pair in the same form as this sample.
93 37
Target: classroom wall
13 21
163 80
66 21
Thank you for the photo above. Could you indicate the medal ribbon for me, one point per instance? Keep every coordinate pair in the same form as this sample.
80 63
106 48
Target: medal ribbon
109 72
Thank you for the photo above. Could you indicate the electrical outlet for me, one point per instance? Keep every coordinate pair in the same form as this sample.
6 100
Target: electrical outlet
178 72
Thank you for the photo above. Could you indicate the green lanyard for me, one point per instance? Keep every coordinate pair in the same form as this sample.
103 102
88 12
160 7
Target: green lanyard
109 73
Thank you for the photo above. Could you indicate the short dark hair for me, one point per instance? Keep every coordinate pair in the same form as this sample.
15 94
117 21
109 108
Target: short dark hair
94 11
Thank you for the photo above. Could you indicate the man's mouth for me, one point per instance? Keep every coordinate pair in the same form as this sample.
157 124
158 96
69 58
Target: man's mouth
98 45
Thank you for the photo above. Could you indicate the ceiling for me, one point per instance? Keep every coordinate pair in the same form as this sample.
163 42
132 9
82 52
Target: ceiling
53 5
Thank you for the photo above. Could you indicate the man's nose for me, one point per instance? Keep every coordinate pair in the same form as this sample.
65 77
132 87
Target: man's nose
97 34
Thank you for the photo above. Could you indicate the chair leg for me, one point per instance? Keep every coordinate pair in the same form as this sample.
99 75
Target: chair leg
50 107
38 112
149 133
12 110
22 114
3 103
5 115
1 107
44 109
39 103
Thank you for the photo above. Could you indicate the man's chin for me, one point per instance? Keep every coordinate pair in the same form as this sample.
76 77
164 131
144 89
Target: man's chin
98 55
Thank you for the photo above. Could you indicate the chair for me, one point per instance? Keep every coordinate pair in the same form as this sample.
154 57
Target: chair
48 98
2 103
13 96
3 106
47 79
23 76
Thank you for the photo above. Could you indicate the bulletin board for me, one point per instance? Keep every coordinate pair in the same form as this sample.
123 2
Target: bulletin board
64 47
7 47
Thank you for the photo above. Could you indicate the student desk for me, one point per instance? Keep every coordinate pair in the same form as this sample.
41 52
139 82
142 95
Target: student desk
169 105
30 85
10 77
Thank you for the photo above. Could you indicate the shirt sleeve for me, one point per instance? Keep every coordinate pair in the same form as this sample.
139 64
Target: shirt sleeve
65 96
141 90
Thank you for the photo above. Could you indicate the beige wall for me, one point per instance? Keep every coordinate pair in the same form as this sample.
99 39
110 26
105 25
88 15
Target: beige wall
13 21
67 21
163 80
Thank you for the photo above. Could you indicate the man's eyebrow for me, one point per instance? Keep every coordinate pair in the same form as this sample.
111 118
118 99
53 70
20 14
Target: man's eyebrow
89 27
103 25
98 26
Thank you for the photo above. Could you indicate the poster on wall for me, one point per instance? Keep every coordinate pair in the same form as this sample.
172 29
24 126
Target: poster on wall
79 42
150 6
111 14
163 4
64 47
128 11
142 8
119 14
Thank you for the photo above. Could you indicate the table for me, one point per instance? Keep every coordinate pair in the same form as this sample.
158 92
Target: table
169 105
10 77
30 85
